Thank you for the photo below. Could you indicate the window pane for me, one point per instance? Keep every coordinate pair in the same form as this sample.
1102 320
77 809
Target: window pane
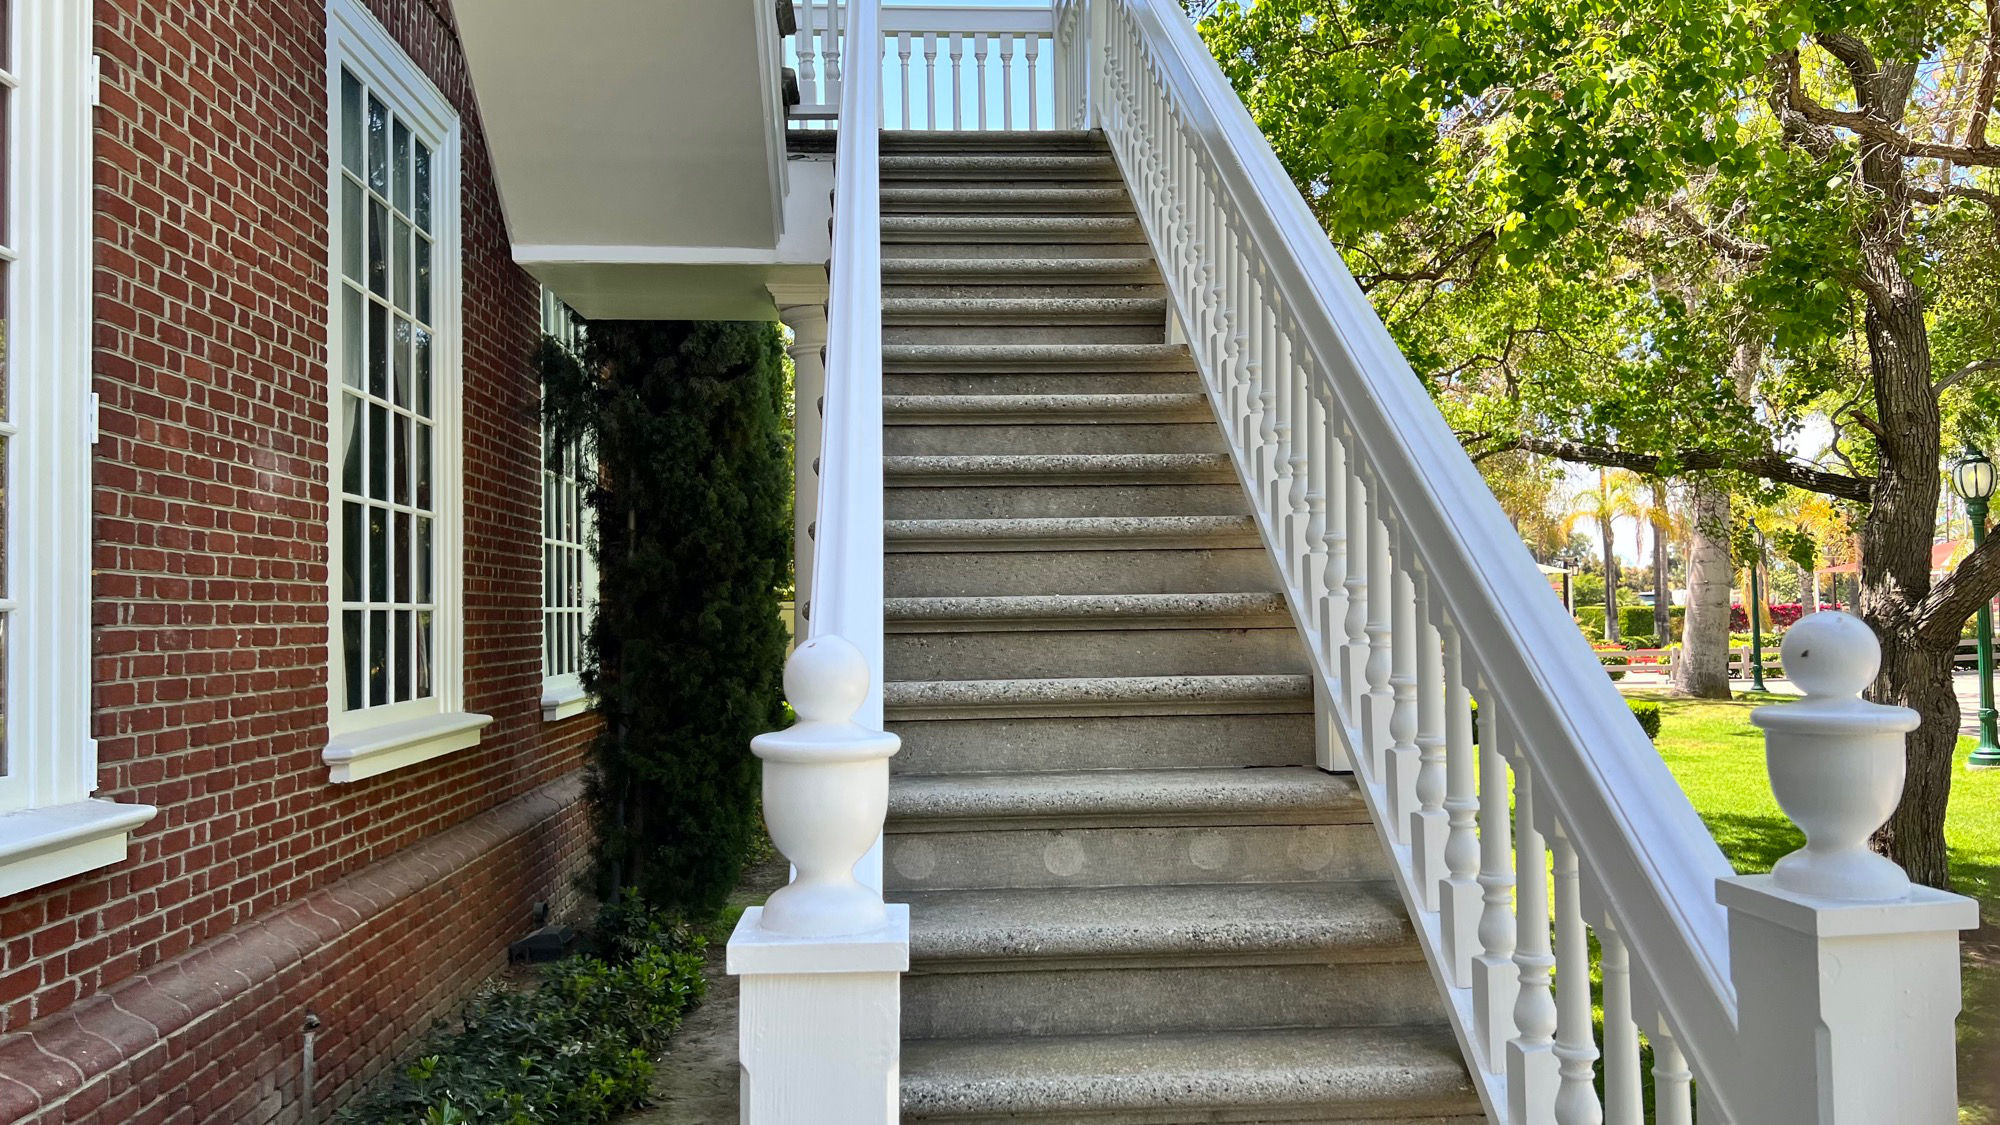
423 470
401 169
423 344
6 133
352 348
403 655
423 305
378 350
403 460
401 267
353 233
401 384
378 554
378 453
353 541
401 586
423 655
350 121
356 441
356 668
378 657
423 561
422 211
378 249
4 329
378 146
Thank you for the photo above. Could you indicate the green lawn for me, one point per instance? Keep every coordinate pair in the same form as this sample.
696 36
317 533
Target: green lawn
1718 758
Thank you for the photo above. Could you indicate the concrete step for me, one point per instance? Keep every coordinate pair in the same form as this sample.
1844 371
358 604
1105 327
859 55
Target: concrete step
1001 359
1357 1076
1012 744
1091 555
1060 485
1042 384
1111 270
1073 697
966 142
960 199
1049 424
1003 235
1121 828
988 638
993 165
1023 320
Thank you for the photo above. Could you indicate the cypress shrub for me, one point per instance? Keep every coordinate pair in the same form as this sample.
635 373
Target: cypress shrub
686 421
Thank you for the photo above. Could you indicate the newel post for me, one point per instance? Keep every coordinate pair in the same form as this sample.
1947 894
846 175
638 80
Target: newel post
1846 973
820 1011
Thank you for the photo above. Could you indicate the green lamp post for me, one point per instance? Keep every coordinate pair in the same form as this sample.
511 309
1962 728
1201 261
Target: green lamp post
1972 477
1756 612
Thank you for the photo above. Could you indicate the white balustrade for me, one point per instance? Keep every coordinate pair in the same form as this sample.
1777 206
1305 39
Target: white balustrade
1519 804
943 67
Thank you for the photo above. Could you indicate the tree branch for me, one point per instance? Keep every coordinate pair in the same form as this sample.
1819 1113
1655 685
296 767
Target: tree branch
1721 241
1873 128
1989 78
1959 375
1957 191
1974 582
1772 466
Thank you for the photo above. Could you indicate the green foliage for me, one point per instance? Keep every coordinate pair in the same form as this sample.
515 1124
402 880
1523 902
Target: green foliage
1590 618
1635 622
1648 715
1615 662
693 504
1587 589
576 1051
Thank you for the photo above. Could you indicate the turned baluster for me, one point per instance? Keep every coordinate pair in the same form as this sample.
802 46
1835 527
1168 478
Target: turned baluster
1381 588
1031 47
1298 505
1278 500
1673 1080
1623 1103
1576 1045
1459 904
930 80
1360 559
1427 823
1495 978
1332 608
1311 473
1401 775
1531 1061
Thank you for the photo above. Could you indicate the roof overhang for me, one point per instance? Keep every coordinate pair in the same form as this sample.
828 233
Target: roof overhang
639 151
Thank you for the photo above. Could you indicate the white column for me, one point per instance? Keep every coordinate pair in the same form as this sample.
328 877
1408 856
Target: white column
819 1014
1847 975
805 315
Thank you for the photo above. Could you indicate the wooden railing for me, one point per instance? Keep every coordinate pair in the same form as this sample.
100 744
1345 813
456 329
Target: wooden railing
989 67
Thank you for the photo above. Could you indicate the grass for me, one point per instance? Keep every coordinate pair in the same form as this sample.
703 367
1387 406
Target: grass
1718 757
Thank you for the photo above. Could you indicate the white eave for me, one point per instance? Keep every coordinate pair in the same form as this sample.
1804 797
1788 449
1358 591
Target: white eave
639 149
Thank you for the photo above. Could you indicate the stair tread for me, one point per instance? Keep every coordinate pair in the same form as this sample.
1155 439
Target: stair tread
1078 689
1409 1069
1354 917
1037 467
924 267
1154 793
1057 408
947 197
1011 161
1054 308
1010 224
1123 531
1111 608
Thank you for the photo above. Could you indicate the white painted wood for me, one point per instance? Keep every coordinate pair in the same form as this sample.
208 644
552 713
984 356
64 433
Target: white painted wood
1532 1076
1576 1046
1673 1097
1495 978
1401 756
1623 1091
1427 822
1375 708
1333 545
1360 559
1459 904
819 1023
807 320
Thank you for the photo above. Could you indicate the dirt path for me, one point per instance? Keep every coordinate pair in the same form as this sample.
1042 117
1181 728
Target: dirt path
695 1083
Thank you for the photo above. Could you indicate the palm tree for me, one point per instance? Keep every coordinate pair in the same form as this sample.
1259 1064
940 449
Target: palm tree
1615 498
1668 520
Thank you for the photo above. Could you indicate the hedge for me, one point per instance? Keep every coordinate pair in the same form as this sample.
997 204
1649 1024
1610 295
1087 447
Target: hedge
1590 618
1635 621
1648 714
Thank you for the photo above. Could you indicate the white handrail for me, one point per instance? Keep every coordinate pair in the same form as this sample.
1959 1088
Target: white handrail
847 564
1649 865
946 66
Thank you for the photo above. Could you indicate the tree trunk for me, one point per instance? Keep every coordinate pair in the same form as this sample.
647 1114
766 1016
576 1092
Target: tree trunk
1610 584
1662 601
1702 669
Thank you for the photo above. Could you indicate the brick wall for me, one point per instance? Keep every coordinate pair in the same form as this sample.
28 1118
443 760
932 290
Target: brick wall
211 489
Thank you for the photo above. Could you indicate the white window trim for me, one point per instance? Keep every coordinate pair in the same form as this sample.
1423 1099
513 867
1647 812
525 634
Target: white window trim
50 827
563 695
379 740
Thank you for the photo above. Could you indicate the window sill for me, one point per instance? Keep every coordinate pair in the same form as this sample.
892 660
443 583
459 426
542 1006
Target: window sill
362 754
563 702
39 846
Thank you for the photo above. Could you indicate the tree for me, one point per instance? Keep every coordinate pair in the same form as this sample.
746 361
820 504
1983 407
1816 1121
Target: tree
1657 511
685 421
1615 498
1657 237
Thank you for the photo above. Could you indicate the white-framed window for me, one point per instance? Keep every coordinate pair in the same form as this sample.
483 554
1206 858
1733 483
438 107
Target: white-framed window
50 828
569 570
396 690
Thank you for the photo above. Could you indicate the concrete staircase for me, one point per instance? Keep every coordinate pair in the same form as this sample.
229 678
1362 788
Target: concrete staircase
1133 898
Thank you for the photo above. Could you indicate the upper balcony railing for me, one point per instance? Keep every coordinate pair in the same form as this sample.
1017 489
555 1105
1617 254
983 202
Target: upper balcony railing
942 67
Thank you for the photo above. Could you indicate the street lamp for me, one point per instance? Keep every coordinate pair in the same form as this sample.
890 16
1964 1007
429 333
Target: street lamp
1972 477
1756 617
1565 558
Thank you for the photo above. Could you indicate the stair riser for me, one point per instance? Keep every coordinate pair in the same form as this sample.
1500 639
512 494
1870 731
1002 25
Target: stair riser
1118 857
950 746
990 179
1131 652
1169 571
1107 331
1059 1114
1110 383
957 200
1072 437
1015 246
1057 1001
995 286
908 499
